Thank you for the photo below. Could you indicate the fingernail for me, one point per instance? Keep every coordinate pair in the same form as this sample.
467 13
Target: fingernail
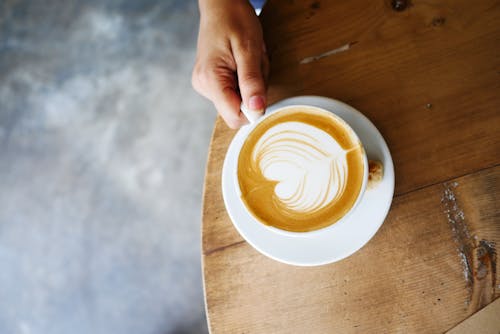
256 103
251 115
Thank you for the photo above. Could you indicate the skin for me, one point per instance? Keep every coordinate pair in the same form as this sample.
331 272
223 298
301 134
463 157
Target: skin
231 63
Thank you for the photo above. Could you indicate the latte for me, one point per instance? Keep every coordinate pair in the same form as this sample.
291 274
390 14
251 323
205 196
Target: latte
301 169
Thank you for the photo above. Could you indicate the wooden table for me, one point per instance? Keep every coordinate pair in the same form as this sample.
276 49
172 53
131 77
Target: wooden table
427 73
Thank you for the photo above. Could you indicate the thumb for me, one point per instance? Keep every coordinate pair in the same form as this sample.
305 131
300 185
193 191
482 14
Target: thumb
251 79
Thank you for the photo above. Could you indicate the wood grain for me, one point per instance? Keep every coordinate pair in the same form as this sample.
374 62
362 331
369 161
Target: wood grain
429 78
485 321
408 279
217 230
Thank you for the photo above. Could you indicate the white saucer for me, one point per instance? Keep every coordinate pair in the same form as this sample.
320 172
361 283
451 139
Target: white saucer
344 237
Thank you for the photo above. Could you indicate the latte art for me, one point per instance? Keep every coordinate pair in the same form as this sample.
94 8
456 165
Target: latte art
300 169
308 164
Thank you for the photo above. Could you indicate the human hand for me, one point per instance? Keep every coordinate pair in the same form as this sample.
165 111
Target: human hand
231 59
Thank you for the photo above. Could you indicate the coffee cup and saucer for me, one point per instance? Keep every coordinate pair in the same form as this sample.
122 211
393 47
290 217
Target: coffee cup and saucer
297 183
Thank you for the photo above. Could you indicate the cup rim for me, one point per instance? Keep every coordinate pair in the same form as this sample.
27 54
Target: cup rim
353 207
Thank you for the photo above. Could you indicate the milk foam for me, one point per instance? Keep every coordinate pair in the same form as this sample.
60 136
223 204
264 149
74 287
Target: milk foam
309 166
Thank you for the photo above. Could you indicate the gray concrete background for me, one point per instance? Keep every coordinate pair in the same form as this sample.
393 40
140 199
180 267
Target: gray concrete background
102 152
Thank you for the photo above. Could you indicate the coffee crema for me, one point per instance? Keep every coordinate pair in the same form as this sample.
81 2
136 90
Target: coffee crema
301 169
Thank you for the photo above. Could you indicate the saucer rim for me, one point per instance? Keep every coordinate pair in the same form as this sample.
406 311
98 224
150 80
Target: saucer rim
320 102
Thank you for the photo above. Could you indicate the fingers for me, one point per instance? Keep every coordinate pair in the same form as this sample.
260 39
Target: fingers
249 66
215 79
218 84
227 102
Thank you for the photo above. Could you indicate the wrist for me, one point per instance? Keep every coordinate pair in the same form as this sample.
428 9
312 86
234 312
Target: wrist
225 5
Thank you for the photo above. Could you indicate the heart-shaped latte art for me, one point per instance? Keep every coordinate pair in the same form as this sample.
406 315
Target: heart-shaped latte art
307 164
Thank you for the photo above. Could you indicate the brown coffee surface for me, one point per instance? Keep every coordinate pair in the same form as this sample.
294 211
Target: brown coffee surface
258 193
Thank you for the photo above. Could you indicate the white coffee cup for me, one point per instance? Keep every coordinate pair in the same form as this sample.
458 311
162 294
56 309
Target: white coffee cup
250 127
